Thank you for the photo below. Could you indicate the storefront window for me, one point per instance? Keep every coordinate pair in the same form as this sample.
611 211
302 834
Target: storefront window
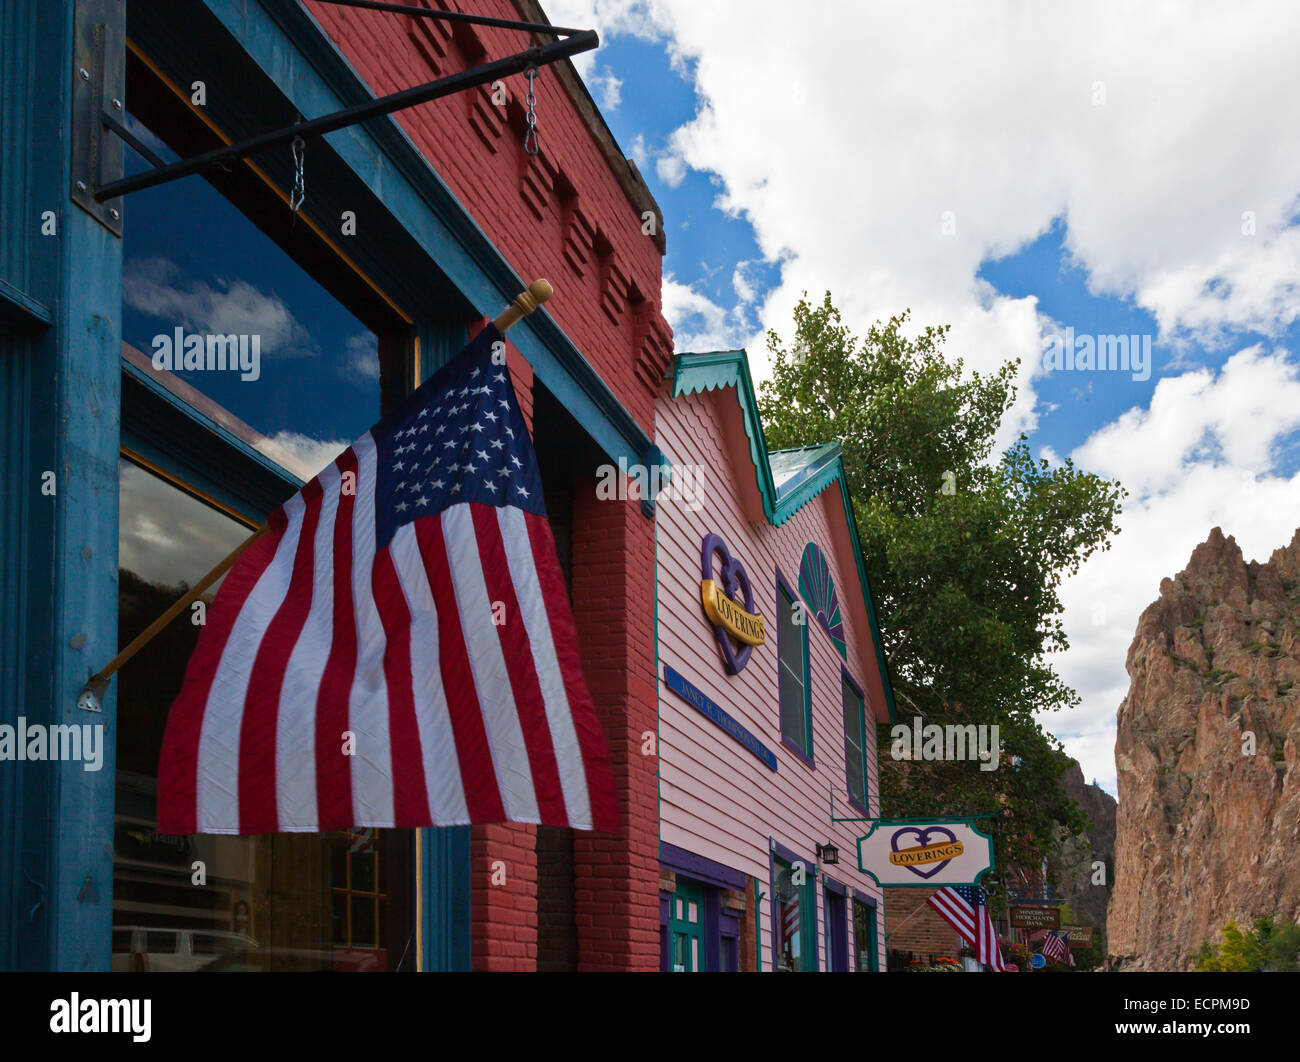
212 299
864 936
794 918
210 902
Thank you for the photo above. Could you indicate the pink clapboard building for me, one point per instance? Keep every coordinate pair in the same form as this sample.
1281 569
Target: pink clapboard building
761 745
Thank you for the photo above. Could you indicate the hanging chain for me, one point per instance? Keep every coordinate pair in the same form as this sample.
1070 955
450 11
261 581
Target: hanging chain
299 192
530 137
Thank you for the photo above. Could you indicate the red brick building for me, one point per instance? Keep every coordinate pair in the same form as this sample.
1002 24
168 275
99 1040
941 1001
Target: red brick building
579 214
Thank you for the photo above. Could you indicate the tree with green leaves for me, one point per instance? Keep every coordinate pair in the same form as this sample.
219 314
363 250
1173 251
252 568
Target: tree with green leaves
1266 946
965 552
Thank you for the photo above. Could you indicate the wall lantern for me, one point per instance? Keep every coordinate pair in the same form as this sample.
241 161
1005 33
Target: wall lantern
828 854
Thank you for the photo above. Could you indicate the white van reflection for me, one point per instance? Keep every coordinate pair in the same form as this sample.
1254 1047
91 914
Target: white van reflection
140 949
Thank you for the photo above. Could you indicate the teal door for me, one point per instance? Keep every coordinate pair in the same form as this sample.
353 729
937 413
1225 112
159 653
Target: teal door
686 930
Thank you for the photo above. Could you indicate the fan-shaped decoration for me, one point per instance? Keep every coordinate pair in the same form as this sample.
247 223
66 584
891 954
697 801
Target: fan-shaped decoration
817 588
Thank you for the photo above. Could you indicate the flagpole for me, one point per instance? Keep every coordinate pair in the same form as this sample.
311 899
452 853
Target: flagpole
92 694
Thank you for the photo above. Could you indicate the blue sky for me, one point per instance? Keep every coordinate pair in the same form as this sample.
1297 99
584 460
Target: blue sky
1013 171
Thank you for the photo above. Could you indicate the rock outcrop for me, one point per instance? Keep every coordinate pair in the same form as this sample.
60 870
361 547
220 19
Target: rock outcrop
1208 758
1073 863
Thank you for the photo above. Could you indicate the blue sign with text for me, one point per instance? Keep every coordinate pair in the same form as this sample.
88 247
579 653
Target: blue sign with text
701 703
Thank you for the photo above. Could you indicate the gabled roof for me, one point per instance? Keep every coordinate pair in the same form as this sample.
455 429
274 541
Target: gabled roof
787 480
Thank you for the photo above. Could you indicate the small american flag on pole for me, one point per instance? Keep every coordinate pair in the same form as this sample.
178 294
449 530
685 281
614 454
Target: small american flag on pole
397 650
966 910
1054 946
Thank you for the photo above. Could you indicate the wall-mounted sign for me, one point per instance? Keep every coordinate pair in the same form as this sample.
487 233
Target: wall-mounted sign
738 628
1036 917
697 700
1078 935
925 852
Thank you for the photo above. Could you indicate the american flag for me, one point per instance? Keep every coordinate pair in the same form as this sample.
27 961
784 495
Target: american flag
966 910
397 650
1054 946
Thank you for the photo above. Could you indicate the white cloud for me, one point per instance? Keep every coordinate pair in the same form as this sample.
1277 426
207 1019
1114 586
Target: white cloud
301 454
1205 453
159 288
671 168
606 87
361 358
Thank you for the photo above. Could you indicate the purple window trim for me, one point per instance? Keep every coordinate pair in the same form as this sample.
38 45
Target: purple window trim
776 850
809 756
866 776
837 932
703 870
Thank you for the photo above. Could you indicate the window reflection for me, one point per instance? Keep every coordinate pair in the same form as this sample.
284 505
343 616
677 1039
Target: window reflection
265 902
210 298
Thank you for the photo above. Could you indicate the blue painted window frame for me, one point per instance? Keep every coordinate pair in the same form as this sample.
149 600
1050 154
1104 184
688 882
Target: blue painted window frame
785 593
860 801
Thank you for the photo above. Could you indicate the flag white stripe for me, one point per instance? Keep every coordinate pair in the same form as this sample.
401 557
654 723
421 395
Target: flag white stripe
295 730
487 664
217 789
447 804
372 761
559 715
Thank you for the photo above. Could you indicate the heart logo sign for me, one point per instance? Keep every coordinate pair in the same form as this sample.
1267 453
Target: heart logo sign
912 847
738 627
920 853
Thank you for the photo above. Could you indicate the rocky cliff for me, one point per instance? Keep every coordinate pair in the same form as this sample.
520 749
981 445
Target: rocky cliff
1208 757
1072 864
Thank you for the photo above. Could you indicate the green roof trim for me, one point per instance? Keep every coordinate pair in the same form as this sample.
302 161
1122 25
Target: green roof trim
787 479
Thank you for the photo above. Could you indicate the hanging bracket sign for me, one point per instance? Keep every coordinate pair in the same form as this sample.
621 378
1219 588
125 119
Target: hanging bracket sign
925 852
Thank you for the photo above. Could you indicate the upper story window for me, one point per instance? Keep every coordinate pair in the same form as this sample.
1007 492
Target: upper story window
792 653
855 743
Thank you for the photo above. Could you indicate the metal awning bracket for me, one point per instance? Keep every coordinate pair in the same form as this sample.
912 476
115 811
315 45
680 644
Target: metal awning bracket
94 187
98 91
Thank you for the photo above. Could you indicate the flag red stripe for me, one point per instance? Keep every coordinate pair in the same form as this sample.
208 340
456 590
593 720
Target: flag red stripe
410 793
591 738
178 768
482 792
333 769
257 803
518 655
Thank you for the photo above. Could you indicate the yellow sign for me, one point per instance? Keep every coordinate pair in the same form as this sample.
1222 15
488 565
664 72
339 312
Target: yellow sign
724 612
926 853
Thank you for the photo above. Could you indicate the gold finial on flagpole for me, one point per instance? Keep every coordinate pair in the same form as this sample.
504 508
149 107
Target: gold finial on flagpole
525 303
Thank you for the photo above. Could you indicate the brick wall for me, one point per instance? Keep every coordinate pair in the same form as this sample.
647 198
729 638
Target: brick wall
617 875
567 214
913 925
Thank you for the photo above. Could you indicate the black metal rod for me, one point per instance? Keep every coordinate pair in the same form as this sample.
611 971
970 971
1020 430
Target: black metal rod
129 137
479 75
455 16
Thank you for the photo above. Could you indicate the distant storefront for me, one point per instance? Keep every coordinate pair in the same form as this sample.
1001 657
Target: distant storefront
772 681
